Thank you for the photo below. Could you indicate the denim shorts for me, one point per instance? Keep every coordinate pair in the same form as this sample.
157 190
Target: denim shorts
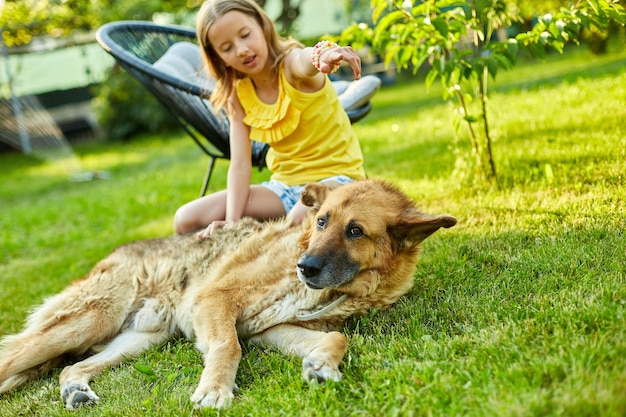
290 195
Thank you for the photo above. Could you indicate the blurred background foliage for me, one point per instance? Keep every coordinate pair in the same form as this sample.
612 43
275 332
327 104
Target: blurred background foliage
123 107
23 20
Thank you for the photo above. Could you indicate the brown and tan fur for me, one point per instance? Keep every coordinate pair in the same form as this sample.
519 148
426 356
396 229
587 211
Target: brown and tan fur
246 282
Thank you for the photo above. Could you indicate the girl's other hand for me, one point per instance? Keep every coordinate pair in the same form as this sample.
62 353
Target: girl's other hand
206 232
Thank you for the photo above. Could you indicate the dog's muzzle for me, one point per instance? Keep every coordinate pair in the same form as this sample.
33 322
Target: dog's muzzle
309 268
319 272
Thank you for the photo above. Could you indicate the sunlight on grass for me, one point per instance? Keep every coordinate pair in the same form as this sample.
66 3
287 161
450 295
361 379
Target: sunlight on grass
154 227
115 158
103 161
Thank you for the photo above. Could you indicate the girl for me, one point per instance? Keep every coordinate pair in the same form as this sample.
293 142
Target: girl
278 92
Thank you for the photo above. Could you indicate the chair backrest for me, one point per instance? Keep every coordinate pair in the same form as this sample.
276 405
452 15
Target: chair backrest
161 58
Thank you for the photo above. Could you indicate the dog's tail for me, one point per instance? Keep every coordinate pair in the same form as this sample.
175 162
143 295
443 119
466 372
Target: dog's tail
17 380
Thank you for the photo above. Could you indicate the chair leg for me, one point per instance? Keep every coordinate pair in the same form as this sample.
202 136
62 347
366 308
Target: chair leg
207 176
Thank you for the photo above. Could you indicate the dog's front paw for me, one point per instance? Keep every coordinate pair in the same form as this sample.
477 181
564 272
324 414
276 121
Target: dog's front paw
318 370
219 397
78 395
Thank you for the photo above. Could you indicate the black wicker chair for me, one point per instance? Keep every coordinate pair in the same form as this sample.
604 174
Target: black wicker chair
166 60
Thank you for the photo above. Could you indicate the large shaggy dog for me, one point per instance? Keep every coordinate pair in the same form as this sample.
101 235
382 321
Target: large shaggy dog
273 284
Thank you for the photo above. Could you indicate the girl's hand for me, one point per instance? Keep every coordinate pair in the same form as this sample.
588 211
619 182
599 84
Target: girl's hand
205 233
331 57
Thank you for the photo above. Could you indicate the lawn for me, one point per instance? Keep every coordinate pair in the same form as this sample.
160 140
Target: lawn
519 310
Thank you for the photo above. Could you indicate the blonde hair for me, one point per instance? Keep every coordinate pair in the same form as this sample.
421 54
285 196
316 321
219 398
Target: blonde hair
226 77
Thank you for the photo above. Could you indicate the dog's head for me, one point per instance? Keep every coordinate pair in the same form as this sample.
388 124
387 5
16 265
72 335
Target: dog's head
360 233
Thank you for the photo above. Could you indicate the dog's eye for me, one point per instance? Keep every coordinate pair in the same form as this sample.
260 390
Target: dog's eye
355 231
321 223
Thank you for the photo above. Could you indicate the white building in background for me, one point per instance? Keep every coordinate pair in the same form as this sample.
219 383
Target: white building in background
60 78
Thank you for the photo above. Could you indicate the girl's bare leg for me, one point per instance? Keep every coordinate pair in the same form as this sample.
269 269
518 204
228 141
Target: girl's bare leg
262 204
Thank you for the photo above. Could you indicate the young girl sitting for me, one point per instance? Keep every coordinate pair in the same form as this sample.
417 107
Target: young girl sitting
275 91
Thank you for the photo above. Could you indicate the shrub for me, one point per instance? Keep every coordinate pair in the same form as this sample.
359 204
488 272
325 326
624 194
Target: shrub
124 107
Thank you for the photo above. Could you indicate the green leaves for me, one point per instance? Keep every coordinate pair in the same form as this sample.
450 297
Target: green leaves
432 31
146 370
565 26
22 20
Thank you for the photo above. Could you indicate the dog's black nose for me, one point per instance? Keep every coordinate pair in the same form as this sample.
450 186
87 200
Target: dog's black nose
308 271
310 266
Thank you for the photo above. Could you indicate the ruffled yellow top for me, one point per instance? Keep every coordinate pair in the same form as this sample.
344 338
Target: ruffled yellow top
309 134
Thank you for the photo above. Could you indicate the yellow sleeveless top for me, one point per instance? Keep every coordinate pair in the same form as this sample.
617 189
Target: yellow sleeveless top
309 134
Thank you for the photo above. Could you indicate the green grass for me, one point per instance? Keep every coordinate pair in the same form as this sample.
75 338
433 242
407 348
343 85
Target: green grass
519 310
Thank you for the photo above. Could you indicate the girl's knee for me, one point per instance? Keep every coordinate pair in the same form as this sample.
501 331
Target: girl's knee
181 222
186 219
199 213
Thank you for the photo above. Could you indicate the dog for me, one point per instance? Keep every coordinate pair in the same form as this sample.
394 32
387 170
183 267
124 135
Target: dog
272 284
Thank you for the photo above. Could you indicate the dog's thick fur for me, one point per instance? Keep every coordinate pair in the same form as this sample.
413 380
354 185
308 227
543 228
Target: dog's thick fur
249 281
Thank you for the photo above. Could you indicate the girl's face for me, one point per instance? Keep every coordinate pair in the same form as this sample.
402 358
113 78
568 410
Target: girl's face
239 42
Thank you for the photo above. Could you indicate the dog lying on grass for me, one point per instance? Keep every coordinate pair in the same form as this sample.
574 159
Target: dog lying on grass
273 284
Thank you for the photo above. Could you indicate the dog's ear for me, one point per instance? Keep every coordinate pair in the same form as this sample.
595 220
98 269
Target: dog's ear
413 227
315 193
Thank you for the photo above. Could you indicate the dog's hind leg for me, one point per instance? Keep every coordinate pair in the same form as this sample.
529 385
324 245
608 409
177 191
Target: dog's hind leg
41 346
88 312
321 352
23 377
75 379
